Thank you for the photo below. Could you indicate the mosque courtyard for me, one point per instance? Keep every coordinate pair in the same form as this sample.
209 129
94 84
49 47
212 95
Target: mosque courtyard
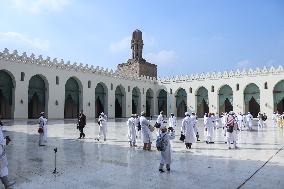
87 163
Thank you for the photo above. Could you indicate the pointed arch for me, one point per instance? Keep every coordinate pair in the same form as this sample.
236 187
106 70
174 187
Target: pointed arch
7 94
136 100
252 99
162 101
73 98
101 99
149 102
181 102
37 96
202 101
120 102
225 95
278 96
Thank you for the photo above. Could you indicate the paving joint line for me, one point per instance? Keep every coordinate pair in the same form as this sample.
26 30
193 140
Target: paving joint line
260 167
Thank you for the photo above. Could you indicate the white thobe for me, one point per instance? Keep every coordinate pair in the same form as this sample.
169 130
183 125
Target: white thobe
194 120
166 156
43 125
210 129
160 120
240 121
103 127
249 120
3 157
138 132
146 133
131 130
173 122
188 129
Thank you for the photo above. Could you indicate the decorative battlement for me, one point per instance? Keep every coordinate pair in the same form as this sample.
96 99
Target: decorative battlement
224 75
48 62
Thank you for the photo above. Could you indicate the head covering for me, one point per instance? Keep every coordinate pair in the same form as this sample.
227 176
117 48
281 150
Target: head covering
172 114
143 113
186 114
161 112
102 114
41 113
231 113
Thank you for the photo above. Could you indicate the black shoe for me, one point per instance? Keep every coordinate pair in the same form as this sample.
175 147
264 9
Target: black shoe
206 142
161 170
79 137
211 142
168 169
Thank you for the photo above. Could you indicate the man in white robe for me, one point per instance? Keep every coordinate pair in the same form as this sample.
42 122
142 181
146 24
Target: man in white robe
188 130
160 121
195 120
260 121
131 131
145 131
172 121
232 128
43 129
103 126
240 121
3 159
166 155
209 128
249 120
137 126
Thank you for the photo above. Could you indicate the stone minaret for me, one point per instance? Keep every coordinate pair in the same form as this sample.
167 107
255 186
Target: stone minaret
137 66
137 45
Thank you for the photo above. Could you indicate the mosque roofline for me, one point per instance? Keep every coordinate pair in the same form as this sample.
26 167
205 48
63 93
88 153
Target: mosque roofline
223 75
54 63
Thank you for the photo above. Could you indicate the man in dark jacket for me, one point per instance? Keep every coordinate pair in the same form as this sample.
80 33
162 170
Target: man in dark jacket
81 124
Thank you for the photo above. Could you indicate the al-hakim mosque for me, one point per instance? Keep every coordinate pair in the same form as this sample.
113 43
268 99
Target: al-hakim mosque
30 84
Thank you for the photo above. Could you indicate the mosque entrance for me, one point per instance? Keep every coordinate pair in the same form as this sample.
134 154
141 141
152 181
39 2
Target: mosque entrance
136 105
100 99
202 102
162 102
254 107
228 106
6 95
225 99
181 99
71 109
149 103
36 97
118 109
181 109
251 99
119 102
280 106
278 97
99 107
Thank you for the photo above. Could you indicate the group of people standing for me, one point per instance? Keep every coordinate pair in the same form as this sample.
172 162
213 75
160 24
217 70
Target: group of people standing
278 119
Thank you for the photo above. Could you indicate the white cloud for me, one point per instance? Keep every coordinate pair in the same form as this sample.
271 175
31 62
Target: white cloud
121 45
38 6
162 57
20 38
244 64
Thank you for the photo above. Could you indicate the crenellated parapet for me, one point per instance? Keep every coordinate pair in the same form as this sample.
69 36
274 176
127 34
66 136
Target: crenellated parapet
223 75
62 65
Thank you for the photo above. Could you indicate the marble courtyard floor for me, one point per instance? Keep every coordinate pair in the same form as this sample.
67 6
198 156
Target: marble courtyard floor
258 163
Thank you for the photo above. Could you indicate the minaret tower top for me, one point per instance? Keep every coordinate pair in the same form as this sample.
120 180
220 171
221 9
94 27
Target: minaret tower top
137 45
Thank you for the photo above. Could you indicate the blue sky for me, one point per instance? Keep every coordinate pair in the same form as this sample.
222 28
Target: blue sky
181 37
